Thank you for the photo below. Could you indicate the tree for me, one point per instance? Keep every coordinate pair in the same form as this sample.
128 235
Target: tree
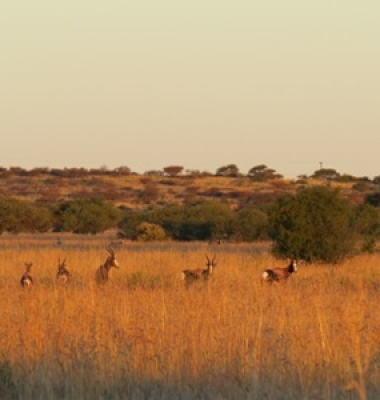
230 170
263 173
326 173
316 224
173 170
122 170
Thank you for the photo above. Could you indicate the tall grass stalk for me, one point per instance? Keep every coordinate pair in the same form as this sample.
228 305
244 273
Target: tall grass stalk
144 335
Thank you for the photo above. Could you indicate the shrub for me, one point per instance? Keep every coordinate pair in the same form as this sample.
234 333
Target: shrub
149 232
250 223
316 224
86 216
21 216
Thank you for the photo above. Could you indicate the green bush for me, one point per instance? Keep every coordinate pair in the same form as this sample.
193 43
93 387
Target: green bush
250 224
316 225
21 216
200 220
86 216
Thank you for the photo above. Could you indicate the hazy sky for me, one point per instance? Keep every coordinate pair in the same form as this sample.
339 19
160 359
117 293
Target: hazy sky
200 83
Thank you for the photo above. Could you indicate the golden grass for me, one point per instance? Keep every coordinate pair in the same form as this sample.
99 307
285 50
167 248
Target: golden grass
144 336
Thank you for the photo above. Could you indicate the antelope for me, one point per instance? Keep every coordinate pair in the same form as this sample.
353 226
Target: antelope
192 275
277 275
63 275
101 275
26 279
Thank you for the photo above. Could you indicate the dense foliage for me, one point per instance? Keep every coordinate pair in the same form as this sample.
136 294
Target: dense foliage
86 216
20 216
319 225
316 224
191 221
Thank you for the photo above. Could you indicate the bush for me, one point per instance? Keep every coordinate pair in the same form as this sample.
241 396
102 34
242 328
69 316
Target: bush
250 223
373 199
86 216
316 224
149 232
198 220
21 216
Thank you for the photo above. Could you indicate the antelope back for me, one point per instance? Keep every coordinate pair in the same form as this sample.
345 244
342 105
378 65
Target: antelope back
63 274
101 275
26 279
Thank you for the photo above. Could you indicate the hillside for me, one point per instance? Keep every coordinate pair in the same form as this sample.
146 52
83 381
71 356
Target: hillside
140 191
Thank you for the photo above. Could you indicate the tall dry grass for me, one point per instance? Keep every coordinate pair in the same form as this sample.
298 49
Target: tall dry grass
144 336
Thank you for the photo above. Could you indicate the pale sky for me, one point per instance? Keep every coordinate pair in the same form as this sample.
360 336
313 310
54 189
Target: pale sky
198 83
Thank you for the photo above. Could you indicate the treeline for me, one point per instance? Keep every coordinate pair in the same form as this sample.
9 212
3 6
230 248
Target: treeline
257 173
316 223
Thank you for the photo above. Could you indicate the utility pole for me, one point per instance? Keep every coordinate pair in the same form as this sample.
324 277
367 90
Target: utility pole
320 165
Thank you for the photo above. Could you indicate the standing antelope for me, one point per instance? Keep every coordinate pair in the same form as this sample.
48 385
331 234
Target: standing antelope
101 275
26 279
192 275
63 275
277 275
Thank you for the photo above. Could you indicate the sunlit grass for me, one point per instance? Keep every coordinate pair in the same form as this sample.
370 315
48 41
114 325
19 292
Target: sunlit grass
143 335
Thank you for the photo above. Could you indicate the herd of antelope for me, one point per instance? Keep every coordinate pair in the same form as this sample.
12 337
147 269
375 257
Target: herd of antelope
189 276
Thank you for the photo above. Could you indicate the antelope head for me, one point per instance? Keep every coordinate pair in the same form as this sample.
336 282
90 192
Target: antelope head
111 261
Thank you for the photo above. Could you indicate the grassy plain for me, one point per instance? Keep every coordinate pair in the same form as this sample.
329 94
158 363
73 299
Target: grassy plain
144 336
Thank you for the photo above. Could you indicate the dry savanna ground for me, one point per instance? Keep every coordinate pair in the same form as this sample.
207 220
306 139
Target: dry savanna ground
145 336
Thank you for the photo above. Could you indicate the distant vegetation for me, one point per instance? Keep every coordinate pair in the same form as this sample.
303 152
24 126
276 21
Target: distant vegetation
326 216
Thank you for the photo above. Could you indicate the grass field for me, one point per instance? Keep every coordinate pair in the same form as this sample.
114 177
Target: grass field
144 336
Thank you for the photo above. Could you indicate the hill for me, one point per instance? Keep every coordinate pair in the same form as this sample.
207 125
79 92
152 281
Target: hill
138 192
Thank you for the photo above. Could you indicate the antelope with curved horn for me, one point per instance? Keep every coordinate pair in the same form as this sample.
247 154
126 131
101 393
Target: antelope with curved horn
277 275
192 275
63 275
101 275
26 279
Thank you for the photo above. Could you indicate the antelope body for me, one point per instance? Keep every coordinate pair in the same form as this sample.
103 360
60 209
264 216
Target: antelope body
101 275
26 279
192 275
277 275
63 275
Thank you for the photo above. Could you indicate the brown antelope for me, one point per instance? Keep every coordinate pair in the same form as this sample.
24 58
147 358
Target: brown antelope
63 275
26 279
277 275
192 275
101 275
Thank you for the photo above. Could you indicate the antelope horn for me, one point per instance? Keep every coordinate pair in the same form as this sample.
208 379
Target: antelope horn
110 250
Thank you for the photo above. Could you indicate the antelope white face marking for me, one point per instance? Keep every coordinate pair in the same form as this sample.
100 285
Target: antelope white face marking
265 275
295 266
